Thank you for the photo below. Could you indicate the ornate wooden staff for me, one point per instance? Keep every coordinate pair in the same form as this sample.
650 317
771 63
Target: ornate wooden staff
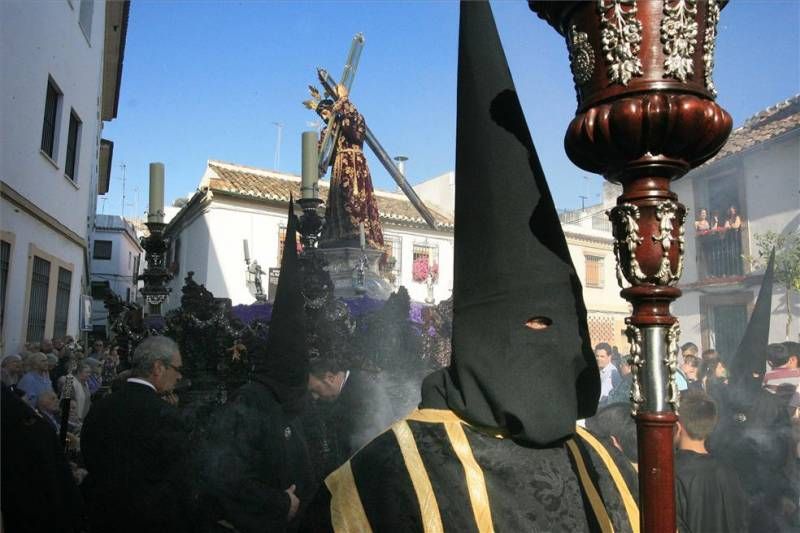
646 115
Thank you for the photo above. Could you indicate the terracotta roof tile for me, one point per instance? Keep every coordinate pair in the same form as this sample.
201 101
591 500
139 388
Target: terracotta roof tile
761 127
269 185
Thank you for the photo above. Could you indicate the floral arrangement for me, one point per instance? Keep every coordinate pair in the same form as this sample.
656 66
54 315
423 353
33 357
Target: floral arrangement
421 270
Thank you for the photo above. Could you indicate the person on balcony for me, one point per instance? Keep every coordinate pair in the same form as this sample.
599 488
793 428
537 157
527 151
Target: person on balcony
702 225
734 221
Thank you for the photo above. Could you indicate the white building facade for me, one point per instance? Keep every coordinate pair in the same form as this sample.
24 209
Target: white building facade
236 203
60 78
758 172
117 257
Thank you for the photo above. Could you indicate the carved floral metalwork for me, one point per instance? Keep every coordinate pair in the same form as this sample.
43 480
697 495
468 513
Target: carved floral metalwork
710 43
666 213
671 362
581 56
679 35
624 219
621 35
634 335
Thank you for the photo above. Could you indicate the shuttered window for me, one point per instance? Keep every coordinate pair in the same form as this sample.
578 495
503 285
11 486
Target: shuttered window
102 250
37 307
62 302
594 271
85 18
5 265
50 119
72 146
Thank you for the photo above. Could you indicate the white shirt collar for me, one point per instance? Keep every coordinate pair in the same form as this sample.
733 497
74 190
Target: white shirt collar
142 382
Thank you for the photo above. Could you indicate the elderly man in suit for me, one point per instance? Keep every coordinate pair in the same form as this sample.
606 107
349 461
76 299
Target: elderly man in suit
134 446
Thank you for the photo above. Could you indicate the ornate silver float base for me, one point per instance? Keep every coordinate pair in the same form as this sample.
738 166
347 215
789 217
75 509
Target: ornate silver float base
343 262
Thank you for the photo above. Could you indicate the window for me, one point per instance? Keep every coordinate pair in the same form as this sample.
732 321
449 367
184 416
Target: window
594 271
50 119
391 260
37 310
425 259
73 144
102 250
128 295
85 18
281 240
5 264
136 261
729 321
100 289
130 259
175 264
62 302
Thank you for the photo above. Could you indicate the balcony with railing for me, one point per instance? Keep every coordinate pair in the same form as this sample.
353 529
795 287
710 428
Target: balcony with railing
720 254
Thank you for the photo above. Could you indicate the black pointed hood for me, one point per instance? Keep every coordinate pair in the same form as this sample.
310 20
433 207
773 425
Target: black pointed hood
511 264
286 361
751 355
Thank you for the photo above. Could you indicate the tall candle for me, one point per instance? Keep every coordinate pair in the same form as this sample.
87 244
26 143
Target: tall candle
156 208
310 175
246 251
361 235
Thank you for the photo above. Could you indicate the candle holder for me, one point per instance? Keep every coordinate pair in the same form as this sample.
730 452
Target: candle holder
156 275
311 222
646 115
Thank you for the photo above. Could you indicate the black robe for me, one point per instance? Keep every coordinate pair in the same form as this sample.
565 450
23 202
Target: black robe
433 472
135 446
253 453
360 413
709 496
38 492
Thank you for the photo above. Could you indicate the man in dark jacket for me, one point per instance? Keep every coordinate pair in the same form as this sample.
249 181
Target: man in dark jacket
134 445
38 490
359 410
255 468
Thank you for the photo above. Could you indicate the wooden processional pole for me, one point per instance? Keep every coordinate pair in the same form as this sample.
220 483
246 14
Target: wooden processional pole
646 116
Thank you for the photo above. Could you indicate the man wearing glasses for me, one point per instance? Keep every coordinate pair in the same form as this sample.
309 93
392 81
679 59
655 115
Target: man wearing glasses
134 445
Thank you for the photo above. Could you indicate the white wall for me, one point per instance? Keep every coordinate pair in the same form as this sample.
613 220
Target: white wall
37 40
30 236
118 271
40 40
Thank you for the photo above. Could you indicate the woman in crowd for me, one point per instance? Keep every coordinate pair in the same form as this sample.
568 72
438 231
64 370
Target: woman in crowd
702 224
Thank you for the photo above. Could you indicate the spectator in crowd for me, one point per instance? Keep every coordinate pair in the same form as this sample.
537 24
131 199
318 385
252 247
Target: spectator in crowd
702 224
709 496
614 424
135 445
360 409
691 370
711 353
95 379
11 370
713 376
37 379
98 350
46 346
81 396
609 375
47 406
110 364
64 353
783 362
715 222
733 220
38 491
622 392
688 348
52 361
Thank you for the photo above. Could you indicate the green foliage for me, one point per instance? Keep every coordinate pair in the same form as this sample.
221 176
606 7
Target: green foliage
787 262
787 256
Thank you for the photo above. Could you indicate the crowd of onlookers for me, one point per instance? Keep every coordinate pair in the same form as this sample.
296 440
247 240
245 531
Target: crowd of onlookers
40 372
744 458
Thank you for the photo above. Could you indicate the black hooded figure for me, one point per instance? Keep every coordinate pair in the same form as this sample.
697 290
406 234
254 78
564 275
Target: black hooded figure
255 454
754 433
494 445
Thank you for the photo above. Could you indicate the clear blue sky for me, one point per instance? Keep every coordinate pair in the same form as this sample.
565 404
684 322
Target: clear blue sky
207 80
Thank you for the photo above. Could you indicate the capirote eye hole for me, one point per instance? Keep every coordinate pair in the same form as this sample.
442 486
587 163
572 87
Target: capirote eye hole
538 323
